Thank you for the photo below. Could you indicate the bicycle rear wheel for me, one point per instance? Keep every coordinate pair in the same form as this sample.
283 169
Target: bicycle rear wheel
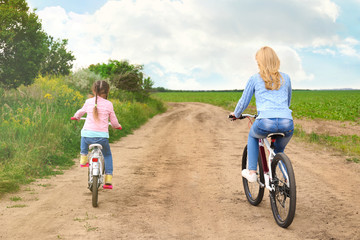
283 199
253 191
95 187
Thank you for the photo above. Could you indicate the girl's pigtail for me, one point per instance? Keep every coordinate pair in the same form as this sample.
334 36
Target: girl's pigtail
95 111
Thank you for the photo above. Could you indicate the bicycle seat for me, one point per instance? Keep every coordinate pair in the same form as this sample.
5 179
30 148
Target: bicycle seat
95 145
276 135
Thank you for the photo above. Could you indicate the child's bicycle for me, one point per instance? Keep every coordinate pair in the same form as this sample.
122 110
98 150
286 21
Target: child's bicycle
280 181
96 170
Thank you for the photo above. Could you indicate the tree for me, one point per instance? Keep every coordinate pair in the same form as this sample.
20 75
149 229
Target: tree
124 75
22 44
25 49
58 59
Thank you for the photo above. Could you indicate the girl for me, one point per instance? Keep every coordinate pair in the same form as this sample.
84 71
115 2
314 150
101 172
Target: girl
272 91
95 129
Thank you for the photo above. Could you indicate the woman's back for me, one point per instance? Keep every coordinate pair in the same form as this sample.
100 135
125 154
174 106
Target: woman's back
272 103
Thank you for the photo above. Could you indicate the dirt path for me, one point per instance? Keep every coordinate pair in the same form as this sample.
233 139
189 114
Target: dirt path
178 177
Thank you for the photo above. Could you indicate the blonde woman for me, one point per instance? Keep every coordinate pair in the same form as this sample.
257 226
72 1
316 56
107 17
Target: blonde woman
272 91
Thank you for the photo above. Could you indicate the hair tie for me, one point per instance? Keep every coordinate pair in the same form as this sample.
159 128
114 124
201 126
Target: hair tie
95 105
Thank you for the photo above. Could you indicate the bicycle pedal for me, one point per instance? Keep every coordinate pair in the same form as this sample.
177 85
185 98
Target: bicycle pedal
107 186
86 165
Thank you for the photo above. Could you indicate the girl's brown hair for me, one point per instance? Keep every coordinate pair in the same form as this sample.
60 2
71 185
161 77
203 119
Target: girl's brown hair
99 88
269 65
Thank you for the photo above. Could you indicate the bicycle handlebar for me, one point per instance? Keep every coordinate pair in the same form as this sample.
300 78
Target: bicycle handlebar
74 118
242 116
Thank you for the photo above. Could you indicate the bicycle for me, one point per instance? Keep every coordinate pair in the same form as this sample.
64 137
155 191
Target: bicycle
96 170
280 181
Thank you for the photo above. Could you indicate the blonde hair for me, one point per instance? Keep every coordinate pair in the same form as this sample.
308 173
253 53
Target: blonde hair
99 88
269 65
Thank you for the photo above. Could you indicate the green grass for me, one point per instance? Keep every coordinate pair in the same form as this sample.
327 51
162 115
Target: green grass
349 145
37 137
329 105
17 206
227 100
15 199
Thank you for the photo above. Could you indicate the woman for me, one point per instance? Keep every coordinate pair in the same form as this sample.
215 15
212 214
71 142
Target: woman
273 95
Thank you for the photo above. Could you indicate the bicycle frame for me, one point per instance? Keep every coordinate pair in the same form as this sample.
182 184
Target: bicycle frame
267 164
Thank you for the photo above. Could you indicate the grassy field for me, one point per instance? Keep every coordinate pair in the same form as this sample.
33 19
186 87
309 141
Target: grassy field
37 137
328 105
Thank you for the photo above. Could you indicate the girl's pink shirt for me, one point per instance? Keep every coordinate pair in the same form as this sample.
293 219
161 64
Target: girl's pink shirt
105 111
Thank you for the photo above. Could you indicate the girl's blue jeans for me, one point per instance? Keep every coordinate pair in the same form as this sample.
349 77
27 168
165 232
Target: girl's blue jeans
86 141
260 129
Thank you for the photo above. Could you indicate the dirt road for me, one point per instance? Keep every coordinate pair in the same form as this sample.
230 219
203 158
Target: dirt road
178 177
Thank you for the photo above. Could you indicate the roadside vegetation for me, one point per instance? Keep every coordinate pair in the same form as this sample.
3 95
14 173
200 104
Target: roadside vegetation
327 105
39 93
37 137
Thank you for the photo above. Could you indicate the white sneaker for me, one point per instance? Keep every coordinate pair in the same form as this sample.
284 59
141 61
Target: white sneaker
250 177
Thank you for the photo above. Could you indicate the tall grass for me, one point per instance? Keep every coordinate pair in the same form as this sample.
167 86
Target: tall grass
37 137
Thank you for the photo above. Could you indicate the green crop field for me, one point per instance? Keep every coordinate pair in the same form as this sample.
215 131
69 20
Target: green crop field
329 105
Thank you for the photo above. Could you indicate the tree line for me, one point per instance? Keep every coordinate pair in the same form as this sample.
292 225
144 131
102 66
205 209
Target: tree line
26 51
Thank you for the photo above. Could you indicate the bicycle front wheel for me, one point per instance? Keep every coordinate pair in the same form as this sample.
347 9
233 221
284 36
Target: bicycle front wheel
95 188
253 191
283 199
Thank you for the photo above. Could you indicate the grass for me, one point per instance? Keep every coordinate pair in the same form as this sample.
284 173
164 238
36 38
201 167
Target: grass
329 105
347 144
15 199
37 137
17 206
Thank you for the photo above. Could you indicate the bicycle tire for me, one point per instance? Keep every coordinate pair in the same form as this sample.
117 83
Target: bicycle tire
253 191
95 191
283 199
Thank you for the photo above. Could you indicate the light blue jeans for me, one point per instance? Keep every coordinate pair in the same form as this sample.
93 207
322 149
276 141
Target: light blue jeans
104 142
260 129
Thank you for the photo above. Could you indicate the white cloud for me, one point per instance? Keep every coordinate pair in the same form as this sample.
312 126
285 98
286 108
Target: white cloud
196 38
187 84
325 7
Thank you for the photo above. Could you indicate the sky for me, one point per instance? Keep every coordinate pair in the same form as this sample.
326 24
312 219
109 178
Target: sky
211 44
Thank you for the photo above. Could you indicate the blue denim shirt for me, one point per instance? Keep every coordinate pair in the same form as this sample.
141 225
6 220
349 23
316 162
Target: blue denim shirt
269 103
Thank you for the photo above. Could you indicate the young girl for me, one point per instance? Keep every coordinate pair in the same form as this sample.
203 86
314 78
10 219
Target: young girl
272 91
96 127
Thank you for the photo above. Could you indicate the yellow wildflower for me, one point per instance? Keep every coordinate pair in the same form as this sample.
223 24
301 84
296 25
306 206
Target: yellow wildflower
48 96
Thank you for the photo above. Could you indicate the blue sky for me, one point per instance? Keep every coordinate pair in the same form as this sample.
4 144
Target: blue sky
211 44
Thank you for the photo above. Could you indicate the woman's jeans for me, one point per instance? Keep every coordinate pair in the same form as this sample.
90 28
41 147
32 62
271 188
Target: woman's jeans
104 142
260 129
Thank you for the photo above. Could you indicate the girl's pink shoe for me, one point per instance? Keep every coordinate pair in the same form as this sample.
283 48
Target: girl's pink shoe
107 186
86 165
